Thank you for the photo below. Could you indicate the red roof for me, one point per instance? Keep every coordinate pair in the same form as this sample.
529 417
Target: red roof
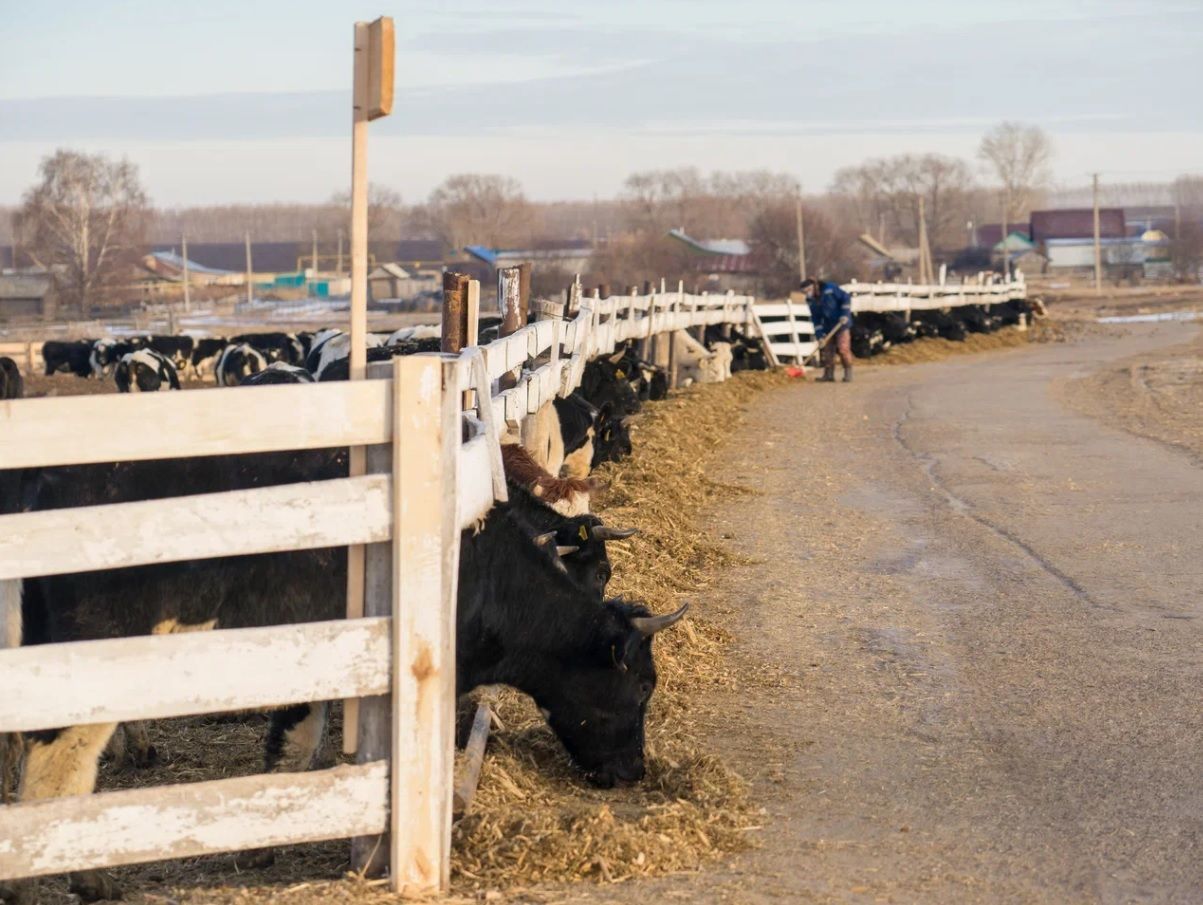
1077 223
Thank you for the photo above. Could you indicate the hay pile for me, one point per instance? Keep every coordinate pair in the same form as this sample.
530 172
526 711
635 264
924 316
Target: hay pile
934 348
534 819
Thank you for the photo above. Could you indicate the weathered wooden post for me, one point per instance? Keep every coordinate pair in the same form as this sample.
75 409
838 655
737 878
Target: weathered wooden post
509 301
455 311
372 98
425 567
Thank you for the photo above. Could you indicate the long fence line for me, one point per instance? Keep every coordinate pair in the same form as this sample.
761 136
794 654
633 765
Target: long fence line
397 798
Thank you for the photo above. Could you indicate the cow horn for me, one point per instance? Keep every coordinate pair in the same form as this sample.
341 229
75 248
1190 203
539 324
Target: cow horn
542 540
617 357
649 625
605 532
565 551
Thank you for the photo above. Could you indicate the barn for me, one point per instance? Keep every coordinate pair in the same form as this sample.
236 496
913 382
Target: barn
27 296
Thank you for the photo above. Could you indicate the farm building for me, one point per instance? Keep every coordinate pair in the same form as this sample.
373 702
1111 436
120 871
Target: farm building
27 295
722 263
1076 223
392 281
568 255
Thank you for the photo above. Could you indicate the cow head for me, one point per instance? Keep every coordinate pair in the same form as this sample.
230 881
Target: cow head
613 437
598 706
580 551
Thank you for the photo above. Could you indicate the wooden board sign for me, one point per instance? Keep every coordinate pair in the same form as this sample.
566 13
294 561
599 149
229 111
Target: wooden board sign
375 95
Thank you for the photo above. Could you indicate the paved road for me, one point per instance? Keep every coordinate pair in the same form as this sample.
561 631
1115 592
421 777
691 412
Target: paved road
991 609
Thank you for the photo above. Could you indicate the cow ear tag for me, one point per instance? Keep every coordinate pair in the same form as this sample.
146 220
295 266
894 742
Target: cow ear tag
584 533
620 374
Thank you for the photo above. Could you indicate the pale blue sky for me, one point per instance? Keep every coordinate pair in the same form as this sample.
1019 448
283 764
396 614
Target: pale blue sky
248 101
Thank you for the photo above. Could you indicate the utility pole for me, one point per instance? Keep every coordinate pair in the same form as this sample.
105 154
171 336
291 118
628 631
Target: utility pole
187 298
1098 249
313 260
340 250
1006 212
925 266
250 284
801 241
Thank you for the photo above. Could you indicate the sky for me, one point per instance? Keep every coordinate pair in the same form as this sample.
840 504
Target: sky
221 101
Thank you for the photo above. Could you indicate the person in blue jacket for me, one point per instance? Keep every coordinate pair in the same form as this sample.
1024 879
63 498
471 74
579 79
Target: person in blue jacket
831 314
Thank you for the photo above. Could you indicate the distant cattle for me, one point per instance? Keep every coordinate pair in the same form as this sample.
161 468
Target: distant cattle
145 371
279 372
205 353
337 345
177 348
284 347
74 357
12 385
340 368
236 363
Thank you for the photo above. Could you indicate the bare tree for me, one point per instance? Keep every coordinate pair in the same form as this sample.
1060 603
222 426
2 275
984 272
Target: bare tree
1020 157
475 208
85 222
831 251
1186 251
660 200
384 212
884 195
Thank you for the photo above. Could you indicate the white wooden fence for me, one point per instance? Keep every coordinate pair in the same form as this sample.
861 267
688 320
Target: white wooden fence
424 484
790 335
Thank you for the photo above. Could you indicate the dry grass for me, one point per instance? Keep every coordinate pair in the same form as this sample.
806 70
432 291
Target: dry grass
935 349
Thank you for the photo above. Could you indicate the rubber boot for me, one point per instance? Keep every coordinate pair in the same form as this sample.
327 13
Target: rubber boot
828 375
847 373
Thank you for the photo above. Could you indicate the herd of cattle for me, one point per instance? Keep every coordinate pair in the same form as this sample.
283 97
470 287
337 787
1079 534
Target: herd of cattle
154 363
874 332
532 606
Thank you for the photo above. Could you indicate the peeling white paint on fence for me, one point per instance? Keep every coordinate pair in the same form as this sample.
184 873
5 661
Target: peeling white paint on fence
195 672
183 821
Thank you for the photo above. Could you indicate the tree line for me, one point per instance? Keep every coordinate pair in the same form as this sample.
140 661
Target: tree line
88 217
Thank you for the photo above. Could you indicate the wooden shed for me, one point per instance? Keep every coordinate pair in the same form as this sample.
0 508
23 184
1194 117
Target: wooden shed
27 296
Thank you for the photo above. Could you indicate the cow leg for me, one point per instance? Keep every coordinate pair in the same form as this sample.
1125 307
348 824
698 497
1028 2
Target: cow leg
130 746
61 762
295 737
293 741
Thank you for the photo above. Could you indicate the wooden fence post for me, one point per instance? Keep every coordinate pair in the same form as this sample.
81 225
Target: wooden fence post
509 300
455 311
426 423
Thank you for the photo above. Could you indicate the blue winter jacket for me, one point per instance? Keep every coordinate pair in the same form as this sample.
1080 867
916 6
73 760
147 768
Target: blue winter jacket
826 311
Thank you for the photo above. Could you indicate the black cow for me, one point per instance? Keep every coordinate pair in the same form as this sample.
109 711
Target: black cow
939 323
522 620
236 363
340 368
275 346
12 385
278 372
107 352
145 371
73 357
205 353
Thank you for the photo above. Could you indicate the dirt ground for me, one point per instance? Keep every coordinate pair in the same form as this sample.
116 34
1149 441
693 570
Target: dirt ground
975 585
989 605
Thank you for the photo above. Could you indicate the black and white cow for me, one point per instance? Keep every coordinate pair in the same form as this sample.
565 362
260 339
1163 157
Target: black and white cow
340 368
333 347
521 620
177 348
74 357
279 372
236 363
145 371
205 352
284 347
